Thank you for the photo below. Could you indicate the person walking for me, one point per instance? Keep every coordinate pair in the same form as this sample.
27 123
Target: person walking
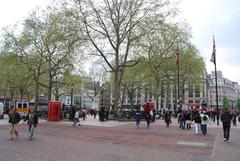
226 118
197 120
234 117
138 118
188 118
76 118
182 120
204 122
167 118
148 119
94 113
14 119
32 121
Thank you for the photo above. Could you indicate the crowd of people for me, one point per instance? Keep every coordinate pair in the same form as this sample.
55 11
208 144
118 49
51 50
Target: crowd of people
186 118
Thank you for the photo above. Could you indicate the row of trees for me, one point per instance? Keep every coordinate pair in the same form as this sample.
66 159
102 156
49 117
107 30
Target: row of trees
134 40
227 103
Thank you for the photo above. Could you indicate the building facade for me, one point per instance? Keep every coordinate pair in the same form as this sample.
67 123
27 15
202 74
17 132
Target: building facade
225 87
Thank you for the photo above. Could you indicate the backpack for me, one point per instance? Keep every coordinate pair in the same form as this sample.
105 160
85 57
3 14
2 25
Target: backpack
205 118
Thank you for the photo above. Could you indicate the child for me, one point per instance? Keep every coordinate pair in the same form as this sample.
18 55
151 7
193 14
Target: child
148 119
138 118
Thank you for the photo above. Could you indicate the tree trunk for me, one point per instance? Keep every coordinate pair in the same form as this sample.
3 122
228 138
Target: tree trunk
167 95
57 94
12 94
183 94
50 83
175 91
131 101
50 88
36 94
157 94
162 94
116 90
21 94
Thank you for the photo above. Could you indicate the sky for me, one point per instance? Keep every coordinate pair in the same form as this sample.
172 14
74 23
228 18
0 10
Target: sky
220 18
206 18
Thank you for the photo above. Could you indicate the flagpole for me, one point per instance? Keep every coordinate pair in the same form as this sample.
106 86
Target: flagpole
213 59
216 92
178 91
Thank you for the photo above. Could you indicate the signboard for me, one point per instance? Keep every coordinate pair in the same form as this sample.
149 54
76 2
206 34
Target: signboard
68 100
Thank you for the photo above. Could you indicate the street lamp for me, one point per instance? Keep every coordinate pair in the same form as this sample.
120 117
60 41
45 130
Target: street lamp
102 92
71 103
101 112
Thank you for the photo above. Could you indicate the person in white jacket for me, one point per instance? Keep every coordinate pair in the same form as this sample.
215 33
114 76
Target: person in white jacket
204 122
76 118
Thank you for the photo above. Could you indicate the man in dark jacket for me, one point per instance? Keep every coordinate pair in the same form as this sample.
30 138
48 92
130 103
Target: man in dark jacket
14 118
197 120
32 121
226 118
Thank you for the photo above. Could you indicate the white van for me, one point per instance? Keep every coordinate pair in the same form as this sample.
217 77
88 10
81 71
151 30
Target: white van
1 110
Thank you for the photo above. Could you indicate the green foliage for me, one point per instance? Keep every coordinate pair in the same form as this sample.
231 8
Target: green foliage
226 103
238 104
15 76
160 58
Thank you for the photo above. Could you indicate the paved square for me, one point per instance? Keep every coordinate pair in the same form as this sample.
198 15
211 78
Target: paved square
114 141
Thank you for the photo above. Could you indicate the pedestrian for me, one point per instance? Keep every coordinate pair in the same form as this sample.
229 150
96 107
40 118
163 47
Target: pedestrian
154 115
76 118
234 117
148 119
84 114
188 119
32 121
14 119
95 113
107 113
151 114
182 120
204 122
214 115
226 118
167 118
197 120
138 118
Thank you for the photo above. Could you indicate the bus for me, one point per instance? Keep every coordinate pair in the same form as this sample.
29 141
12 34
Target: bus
22 108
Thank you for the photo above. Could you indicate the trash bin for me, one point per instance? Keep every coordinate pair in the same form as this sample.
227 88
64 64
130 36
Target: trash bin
101 115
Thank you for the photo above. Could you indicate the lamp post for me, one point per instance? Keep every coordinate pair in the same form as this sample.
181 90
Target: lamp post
102 98
71 103
101 112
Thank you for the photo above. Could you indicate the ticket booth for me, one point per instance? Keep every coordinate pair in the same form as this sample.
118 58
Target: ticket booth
54 111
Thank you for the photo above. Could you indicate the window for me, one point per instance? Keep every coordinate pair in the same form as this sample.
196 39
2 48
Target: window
24 105
19 105
197 93
190 93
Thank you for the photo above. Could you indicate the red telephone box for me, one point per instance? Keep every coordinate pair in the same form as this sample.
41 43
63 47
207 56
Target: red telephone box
54 111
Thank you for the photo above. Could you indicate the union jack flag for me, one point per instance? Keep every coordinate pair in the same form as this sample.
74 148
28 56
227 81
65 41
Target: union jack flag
213 58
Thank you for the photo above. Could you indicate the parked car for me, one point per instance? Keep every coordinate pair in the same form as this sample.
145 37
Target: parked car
1 110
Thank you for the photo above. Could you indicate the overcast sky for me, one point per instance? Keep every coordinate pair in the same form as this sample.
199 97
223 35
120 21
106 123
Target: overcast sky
206 17
221 18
